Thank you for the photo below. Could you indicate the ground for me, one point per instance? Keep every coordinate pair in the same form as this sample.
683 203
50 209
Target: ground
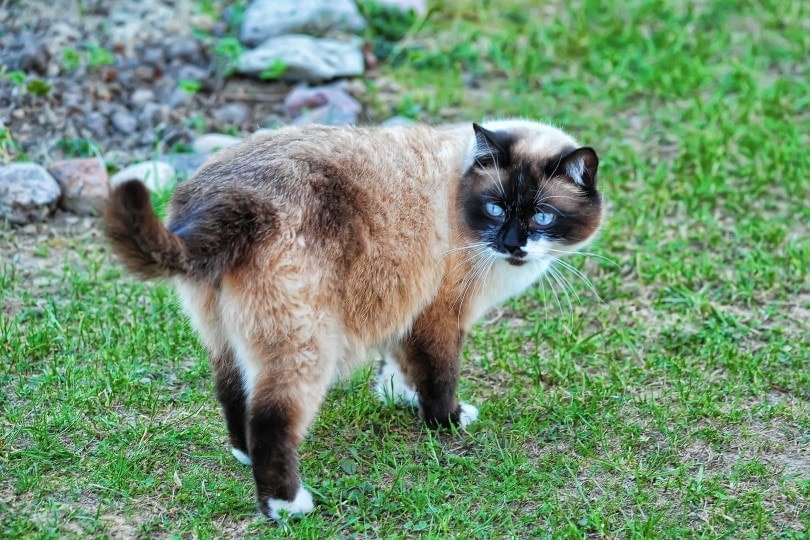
660 387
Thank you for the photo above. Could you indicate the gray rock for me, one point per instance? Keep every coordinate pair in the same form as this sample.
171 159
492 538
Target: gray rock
156 175
191 72
187 49
211 142
269 18
123 121
178 98
232 113
153 114
184 164
141 97
96 123
306 58
397 121
84 183
28 193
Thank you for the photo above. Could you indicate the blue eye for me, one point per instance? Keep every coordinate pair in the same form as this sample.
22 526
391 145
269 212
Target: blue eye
543 218
494 210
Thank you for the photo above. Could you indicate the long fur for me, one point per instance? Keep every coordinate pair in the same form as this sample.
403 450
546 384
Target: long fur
296 252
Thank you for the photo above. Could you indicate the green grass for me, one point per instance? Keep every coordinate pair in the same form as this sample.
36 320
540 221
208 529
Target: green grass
676 404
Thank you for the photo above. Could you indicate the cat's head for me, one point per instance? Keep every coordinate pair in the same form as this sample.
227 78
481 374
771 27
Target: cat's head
529 191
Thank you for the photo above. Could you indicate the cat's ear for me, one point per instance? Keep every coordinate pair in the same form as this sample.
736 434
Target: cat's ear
580 166
491 147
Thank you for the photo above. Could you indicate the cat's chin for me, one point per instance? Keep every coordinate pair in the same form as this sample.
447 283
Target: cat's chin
514 261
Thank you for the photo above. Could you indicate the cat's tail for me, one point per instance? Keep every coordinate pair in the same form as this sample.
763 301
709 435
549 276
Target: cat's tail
138 236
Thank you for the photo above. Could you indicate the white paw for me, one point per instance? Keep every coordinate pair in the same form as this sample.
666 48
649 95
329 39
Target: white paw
468 415
301 504
241 457
391 386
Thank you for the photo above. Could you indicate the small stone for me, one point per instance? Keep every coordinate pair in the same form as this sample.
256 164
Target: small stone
84 183
211 142
28 193
184 164
269 18
188 50
156 175
96 123
189 72
306 58
178 98
153 114
397 121
232 113
154 56
141 97
123 121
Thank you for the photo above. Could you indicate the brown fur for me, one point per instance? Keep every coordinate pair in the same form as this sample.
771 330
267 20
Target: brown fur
296 252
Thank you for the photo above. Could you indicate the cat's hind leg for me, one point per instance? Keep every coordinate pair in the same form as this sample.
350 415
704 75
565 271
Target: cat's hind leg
287 357
200 302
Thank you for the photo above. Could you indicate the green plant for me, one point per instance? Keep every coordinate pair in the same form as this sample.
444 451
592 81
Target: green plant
10 149
189 86
38 87
98 56
71 59
274 71
78 147
387 25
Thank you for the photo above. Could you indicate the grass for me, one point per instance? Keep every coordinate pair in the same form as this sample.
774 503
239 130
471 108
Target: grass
673 404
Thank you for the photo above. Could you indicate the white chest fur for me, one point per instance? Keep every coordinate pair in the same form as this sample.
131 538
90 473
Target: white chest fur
504 281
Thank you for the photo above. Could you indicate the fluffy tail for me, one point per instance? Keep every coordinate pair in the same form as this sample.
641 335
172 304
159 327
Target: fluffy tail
144 244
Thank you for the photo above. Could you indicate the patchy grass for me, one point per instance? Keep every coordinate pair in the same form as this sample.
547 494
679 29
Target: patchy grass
671 400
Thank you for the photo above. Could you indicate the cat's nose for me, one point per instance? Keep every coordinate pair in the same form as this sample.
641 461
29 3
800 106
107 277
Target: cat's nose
516 251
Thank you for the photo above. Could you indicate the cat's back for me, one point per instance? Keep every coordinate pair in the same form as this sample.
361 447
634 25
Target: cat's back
362 211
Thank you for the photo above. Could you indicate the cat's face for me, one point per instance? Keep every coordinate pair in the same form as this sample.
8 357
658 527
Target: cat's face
529 192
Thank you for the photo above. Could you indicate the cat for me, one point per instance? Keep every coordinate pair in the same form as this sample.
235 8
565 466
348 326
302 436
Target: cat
298 251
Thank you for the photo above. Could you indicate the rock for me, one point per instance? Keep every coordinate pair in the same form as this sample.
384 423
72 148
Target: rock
156 175
269 18
141 97
306 58
211 142
329 105
232 113
153 114
96 123
26 52
84 183
188 50
28 193
184 164
397 121
190 72
123 121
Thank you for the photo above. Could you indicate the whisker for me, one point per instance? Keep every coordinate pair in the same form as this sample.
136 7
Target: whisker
586 254
581 276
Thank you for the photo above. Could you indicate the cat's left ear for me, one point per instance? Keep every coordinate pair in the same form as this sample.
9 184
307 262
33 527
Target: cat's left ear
490 146
580 166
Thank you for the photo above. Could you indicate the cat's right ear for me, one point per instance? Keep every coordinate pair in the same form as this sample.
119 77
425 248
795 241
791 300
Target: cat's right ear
491 147
580 166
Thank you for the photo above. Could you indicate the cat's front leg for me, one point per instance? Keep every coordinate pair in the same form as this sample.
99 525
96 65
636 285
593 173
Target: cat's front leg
431 363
